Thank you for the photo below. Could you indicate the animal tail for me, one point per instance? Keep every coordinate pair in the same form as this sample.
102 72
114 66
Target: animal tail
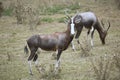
26 50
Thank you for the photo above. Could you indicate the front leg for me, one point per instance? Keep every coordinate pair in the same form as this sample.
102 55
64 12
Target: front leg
57 64
79 30
73 46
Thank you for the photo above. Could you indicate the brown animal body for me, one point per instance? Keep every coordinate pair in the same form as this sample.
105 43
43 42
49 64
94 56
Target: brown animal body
58 41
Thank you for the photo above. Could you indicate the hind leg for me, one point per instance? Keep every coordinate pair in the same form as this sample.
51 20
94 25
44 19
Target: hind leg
79 30
30 58
91 33
92 38
88 35
35 59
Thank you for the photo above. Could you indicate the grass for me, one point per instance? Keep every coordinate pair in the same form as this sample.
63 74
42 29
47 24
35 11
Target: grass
13 61
60 9
47 19
61 20
53 10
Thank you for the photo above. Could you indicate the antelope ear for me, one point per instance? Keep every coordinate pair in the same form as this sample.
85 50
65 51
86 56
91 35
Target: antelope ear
77 19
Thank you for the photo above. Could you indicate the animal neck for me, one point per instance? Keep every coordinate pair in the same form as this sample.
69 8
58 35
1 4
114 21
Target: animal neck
69 37
68 31
102 33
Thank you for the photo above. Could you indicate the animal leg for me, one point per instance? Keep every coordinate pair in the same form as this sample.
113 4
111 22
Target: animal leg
73 47
35 59
79 30
92 32
88 36
78 33
30 70
30 58
57 65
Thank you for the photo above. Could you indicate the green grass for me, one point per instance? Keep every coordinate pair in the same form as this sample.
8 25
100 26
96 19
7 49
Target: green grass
61 20
8 12
59 9
53 10
47 19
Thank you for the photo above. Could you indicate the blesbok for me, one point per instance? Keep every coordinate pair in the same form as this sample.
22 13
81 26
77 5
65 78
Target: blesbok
58 41
89 21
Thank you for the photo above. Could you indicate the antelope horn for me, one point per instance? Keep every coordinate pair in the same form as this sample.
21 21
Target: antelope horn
67 14
65 21
108 26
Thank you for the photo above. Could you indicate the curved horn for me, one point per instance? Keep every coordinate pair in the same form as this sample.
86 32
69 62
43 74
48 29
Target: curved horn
104 24
67 14
108 26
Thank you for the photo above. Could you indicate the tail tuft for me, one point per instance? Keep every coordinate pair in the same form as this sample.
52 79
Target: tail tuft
26 49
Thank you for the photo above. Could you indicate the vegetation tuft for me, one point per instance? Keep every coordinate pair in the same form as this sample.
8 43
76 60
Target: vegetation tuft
47 19
7 12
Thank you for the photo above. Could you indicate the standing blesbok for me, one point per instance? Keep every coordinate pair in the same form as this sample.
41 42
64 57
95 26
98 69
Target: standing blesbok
58 41
89 21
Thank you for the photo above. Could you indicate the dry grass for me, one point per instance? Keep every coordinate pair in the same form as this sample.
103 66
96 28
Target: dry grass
13 61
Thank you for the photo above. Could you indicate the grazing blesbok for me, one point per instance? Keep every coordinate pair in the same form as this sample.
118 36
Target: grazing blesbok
58 41
89 21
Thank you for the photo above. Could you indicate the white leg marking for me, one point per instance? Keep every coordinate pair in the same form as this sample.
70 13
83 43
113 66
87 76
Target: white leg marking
92 29
57 65
30 67
73 47
91 42
87 38
36 62
91 37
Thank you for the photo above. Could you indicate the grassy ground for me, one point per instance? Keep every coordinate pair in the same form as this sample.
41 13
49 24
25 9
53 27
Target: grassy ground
13 61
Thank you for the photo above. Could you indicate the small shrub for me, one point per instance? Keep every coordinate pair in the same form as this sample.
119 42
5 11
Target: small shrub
85 48
118 3
102 67
48 74
7 12
117 61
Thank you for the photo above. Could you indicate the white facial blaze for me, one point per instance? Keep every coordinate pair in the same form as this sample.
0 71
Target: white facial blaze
72 27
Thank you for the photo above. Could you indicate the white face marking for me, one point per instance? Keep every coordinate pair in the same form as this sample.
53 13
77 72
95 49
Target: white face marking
72 27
